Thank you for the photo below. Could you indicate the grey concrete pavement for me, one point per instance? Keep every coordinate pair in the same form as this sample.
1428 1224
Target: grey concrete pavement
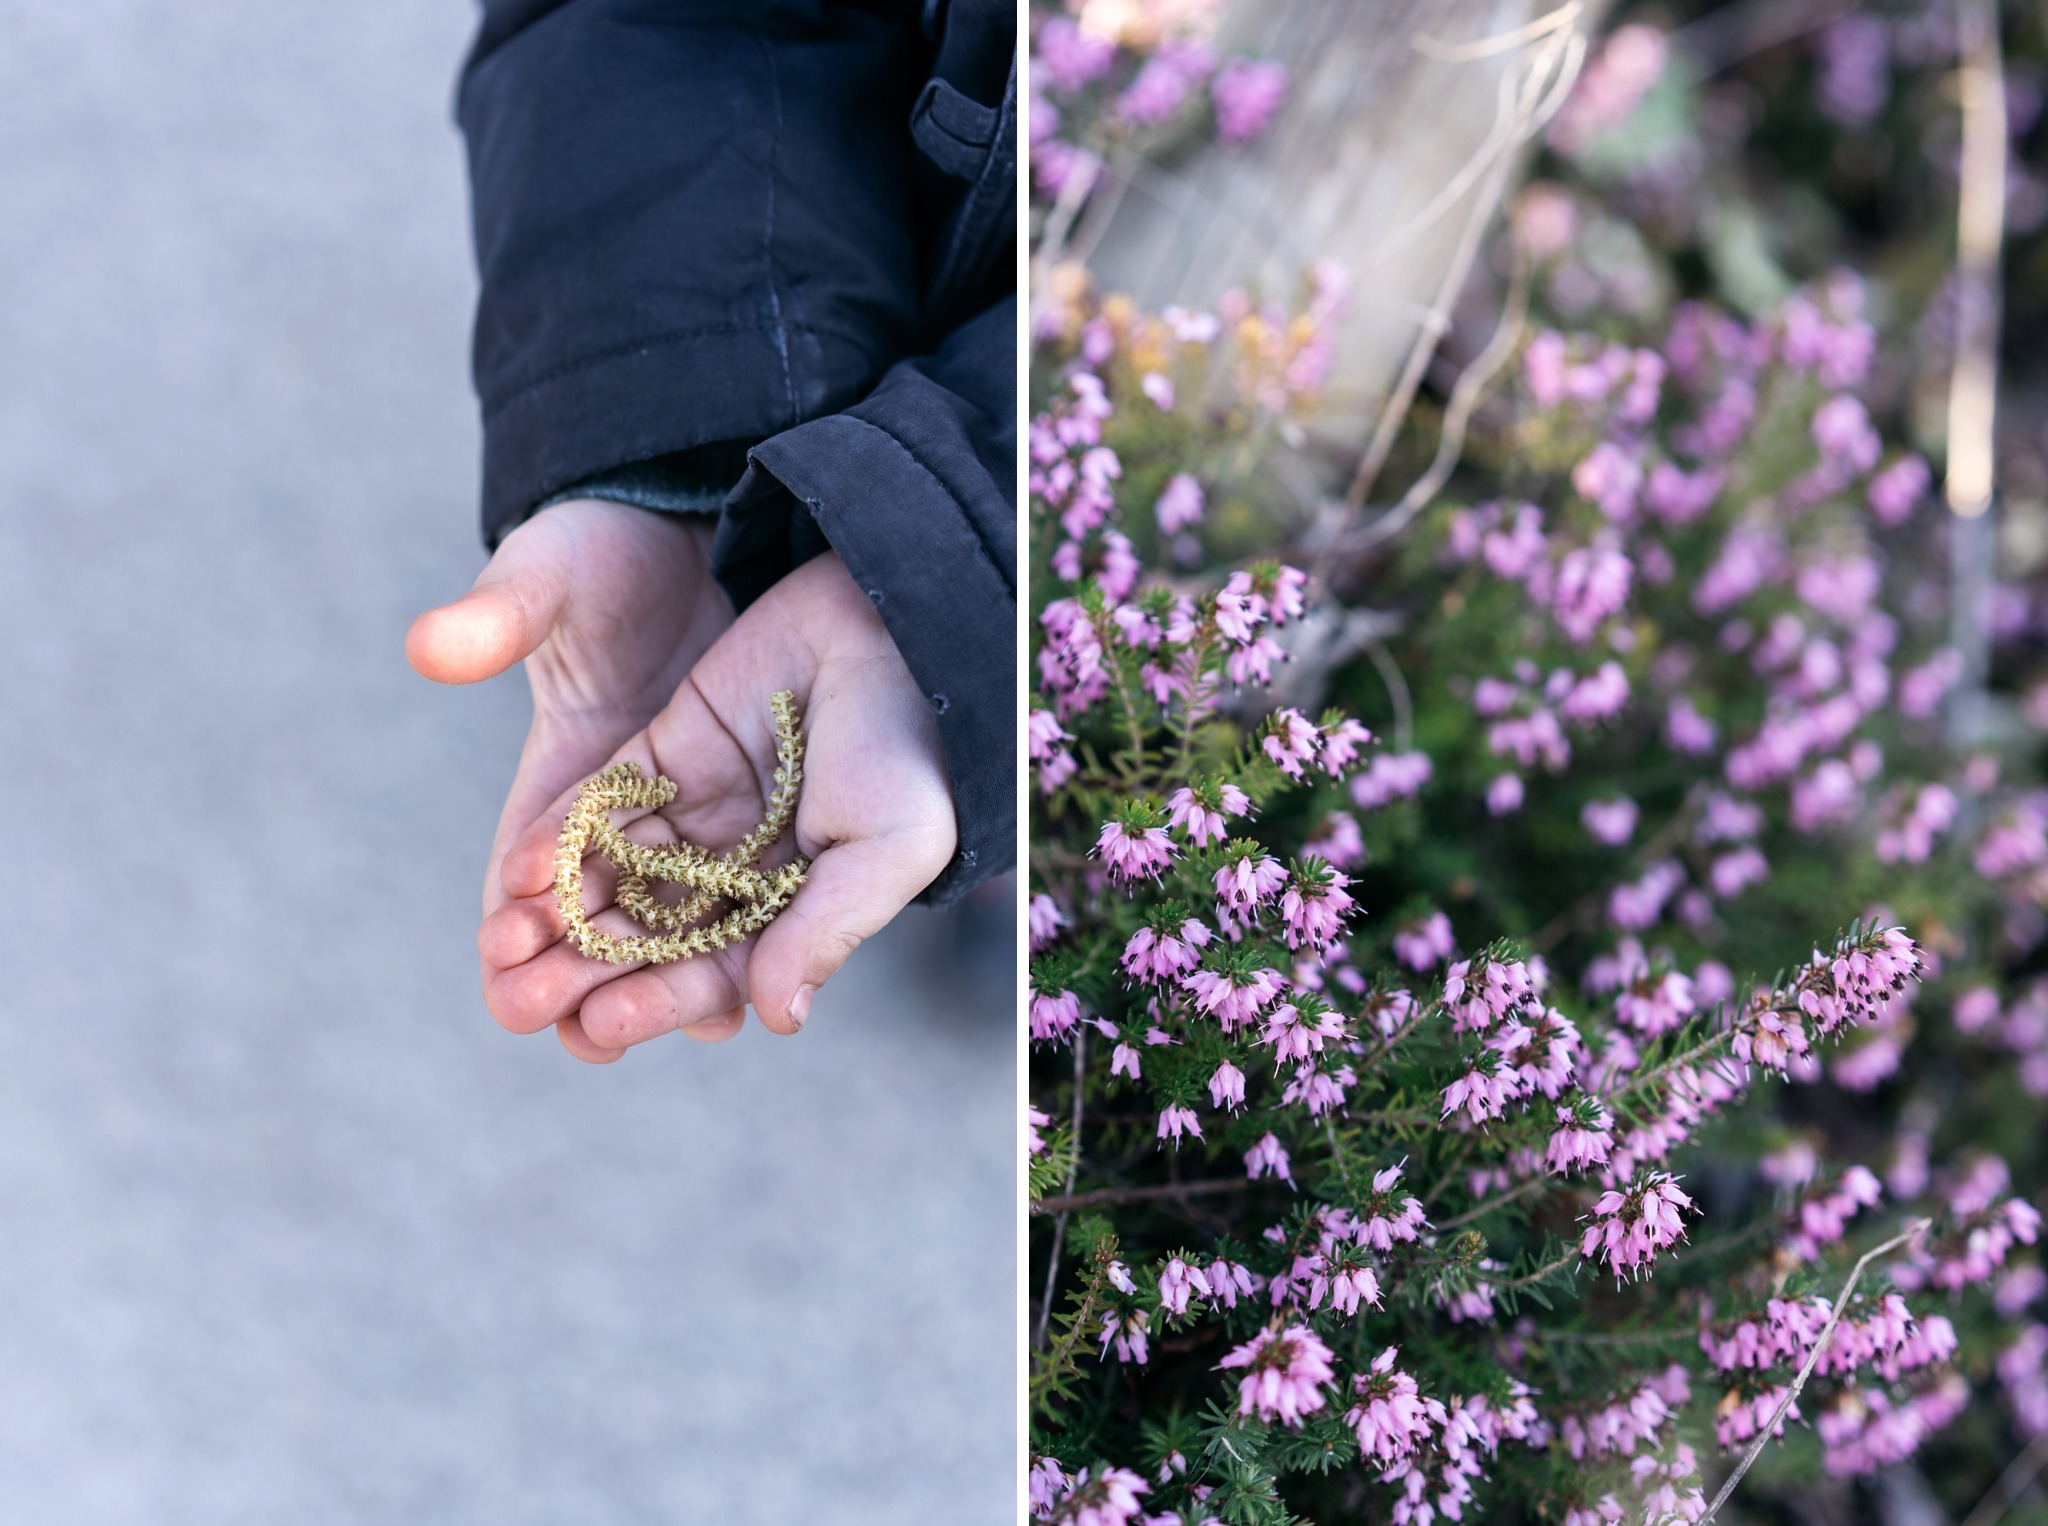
289 1230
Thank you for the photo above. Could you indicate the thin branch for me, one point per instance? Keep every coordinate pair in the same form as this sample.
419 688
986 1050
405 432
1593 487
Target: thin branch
1501 1200
1450 445
1763 1432
1500 42
2019 1473
1397 691
1539 1274
1059 1229
1541 91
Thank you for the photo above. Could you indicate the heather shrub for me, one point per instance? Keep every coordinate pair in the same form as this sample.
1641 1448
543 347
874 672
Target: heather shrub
1491 997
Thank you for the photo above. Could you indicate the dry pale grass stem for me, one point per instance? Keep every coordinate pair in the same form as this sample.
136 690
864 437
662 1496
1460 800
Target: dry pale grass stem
709 878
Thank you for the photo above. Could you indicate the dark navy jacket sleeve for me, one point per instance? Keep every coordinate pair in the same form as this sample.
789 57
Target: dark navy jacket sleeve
757 258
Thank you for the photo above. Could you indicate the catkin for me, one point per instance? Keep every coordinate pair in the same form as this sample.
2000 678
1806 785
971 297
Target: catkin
756 895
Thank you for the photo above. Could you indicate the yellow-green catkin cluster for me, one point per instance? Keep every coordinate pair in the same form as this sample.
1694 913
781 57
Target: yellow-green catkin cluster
709 877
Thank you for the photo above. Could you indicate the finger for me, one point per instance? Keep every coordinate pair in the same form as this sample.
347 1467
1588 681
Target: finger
504 616
718 1029
852 892
658 999
519 931
570 1031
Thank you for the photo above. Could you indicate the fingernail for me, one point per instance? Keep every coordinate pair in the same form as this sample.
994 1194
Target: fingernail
800 1006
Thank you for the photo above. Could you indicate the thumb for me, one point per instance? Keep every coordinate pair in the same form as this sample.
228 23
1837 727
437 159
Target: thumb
504 617
852 892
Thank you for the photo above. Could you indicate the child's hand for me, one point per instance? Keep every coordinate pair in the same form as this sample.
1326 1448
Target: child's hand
875 817
609 606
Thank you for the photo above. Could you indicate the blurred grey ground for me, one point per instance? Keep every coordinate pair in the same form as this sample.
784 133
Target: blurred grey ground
289 1231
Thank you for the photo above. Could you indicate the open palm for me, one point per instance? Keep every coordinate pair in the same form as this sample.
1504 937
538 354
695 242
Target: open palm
875 817
609 606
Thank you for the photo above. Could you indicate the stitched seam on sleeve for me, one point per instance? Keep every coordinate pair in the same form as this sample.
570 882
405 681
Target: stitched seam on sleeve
952 497
659 340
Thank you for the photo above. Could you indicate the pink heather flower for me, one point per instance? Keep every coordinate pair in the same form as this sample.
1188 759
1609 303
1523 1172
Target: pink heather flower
1314 906
1054 1017
1350 1287
1181 504
1858 981
1597 696
1240 609
1677 497
1423 944
1284 1375
1823 1218
1609 477
1576 1145
1976 1009
1897 489
1844 433
2017 1289
1290 590
1855 69
1154 956
1056 764
1164 80
1246 95
1341 744
1157 386
1139 628
1233 1001
1504 794
1134 855
1341 843
1111 1500
1226 1087
1291 742
1749 558
1483 1093
1921 689
1253 663
1124 1061
1546 221
1294 1037
1267 1158
1612 822
1608 92
1205 823
1390 777
1627 1421
1634 907
1229 1282
1034 1120
1592 584
1477 997
1654 1005
1127 1332
1731 873
1250 878
1687 730
1627 1229
1825 795
1518 551
1067 58
1390 1222
1045 919
1390 1416
1176 1121
1772 1043
1048 1486
1178 1282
